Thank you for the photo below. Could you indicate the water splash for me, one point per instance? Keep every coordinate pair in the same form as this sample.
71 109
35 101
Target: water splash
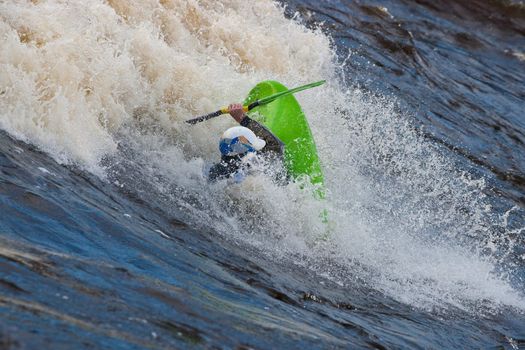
107 86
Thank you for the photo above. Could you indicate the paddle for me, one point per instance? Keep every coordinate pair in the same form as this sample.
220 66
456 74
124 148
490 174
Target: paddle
252 105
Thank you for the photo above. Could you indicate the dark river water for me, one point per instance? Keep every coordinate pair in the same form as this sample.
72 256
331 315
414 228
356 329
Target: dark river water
458 65
111 237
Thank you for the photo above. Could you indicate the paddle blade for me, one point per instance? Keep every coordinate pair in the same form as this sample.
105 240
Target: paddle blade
205 117
273 97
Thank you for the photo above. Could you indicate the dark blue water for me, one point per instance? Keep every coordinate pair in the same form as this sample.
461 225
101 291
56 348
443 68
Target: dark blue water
457 65
84 265
91 261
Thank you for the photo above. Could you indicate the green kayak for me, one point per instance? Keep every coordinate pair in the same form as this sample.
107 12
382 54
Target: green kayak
286 120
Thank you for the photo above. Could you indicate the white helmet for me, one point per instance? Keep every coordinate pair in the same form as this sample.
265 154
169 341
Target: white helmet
239 140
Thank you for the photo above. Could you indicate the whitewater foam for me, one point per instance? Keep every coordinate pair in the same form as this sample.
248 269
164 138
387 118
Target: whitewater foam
103 83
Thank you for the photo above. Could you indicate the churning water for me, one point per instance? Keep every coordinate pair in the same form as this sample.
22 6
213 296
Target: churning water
425 227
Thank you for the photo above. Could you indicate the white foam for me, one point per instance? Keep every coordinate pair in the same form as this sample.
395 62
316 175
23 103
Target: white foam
79 78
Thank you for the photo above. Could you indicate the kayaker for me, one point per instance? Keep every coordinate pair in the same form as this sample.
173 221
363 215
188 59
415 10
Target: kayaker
243 146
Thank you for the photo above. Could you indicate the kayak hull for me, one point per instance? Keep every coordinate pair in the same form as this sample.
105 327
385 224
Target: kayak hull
286 120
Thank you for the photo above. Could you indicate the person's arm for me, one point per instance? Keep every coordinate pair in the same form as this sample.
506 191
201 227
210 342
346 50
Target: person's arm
273 144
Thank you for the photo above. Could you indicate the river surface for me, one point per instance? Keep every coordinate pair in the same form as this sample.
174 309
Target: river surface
111 236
